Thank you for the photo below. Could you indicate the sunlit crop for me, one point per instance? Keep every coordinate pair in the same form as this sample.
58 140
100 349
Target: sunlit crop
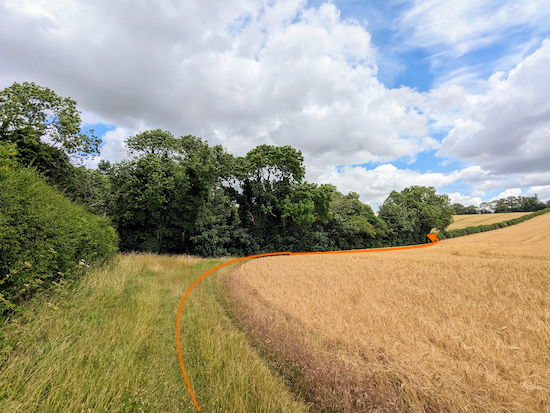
463 326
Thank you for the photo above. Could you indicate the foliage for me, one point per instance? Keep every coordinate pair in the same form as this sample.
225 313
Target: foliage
144 204
413 213
156 142
513 204
465 210
160 198
43 236
276 207
353 225
55 119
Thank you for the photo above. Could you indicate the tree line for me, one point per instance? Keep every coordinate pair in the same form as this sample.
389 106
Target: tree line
503 205
183 195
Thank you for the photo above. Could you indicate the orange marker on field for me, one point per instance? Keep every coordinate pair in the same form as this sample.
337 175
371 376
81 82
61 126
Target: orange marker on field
432 237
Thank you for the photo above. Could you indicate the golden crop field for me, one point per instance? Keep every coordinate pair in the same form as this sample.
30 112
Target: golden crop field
462 326
473 220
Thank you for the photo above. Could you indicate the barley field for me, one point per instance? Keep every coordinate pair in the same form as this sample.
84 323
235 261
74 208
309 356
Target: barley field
473 220
463 326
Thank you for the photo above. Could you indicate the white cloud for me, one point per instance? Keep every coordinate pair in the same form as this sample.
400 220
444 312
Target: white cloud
507 193
114 149
246 72
240 73
374 185
457 197
543 192
507 129
457 27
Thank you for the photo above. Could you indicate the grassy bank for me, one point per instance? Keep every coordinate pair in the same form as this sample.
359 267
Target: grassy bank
108 343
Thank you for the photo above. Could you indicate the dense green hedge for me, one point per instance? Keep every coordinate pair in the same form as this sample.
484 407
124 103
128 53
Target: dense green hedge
44 236
453 233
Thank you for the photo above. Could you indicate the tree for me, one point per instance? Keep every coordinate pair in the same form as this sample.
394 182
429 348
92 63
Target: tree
487 207
400 225
530 204
470 209
459 209
167 194
264 188
157 142
414 212
145 204
353 224
275 206
55 120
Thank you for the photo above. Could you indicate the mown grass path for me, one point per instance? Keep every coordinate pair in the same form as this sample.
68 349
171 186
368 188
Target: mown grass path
107 343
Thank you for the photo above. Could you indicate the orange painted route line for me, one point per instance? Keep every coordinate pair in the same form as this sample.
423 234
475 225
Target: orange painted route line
432 237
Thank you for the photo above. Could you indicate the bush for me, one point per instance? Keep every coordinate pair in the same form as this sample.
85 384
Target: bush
44 236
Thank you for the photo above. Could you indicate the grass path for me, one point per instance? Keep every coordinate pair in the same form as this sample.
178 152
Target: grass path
108 344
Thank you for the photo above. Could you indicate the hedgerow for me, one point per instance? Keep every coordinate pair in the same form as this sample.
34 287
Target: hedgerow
44 237
453 233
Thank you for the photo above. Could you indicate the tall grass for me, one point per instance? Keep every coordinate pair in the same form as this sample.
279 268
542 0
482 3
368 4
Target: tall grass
462 326
108 343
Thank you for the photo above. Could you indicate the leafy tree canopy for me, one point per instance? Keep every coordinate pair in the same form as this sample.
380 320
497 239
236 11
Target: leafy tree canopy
418 209
269 162
156 142
54 119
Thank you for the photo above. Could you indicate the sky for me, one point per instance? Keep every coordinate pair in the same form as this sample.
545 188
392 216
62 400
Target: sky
378 95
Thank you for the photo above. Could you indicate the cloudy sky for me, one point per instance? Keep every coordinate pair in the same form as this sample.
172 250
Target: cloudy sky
378 95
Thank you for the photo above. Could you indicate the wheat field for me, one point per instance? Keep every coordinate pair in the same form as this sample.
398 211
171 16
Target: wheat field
473 220
462 326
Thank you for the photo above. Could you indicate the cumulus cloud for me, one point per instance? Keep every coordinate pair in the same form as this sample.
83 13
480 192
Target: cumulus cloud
374 185
507 193
457 197
239 73
246 72
115 149
543 192
507 129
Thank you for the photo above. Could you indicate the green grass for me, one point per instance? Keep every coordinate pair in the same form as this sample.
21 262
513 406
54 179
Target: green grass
108 343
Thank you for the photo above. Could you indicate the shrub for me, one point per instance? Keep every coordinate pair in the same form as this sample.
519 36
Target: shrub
44 236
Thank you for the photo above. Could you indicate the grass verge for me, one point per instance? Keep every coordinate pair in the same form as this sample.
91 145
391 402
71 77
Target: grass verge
107 343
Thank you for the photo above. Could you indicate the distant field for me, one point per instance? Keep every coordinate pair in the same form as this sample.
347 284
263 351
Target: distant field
464 221
462 326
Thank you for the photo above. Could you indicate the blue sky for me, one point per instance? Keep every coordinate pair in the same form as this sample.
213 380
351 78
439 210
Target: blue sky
378 95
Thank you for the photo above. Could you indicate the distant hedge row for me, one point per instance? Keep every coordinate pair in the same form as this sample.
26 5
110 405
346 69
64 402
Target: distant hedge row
453 233
44 236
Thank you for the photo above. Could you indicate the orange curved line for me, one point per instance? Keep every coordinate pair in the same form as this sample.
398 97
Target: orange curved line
267 255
